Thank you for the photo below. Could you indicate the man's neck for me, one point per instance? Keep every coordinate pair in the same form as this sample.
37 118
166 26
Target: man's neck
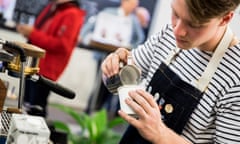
212 44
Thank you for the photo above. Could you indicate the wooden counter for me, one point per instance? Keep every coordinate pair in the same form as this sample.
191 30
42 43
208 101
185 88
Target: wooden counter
99 46
103 47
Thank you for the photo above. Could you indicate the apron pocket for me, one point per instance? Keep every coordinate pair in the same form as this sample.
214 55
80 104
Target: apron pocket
172 113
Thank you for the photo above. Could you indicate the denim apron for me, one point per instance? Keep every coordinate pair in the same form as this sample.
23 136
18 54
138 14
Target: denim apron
177 98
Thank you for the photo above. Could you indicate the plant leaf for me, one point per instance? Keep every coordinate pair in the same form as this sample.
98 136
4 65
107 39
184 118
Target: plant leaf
100 119
109 137
58 125
97 125
116 121
78 117
61 126
92 128
95 128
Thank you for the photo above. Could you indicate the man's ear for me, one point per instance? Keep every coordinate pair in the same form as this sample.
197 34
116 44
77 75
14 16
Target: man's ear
227 18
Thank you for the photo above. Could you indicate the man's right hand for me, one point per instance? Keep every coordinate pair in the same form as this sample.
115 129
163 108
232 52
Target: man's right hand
110 66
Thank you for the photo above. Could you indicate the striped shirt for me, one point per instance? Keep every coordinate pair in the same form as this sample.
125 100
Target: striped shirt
216 119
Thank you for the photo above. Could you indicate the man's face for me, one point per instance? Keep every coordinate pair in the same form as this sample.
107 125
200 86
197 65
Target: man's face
189 34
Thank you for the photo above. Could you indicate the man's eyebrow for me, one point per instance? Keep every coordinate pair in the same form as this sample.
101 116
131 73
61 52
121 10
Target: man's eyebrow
173 10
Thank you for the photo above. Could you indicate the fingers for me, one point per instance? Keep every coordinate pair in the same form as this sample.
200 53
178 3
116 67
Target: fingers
18 28
148 98
139 104
123 54
148 121
144 101
143 105
110 65
24 29
130 119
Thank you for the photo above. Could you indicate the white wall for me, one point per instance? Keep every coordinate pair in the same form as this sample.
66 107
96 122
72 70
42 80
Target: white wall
79 76
161 16
235 23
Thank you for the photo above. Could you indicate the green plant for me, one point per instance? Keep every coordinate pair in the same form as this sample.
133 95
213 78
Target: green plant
95 129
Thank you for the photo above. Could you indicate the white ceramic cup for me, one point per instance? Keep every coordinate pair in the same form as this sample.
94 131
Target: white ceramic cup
123 93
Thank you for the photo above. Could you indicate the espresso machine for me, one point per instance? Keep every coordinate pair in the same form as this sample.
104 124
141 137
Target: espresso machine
21 61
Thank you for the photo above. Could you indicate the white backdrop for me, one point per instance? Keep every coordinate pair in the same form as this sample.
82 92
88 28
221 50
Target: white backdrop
79 76
235 23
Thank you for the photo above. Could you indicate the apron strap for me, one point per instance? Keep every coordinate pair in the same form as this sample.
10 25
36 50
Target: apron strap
173 53
212 66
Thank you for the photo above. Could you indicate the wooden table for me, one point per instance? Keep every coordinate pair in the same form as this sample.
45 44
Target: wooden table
103 46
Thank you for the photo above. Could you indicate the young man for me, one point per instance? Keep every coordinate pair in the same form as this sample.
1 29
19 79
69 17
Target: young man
193 65
56 30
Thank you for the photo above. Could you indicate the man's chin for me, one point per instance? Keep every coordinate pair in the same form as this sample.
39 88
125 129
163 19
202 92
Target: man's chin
185 47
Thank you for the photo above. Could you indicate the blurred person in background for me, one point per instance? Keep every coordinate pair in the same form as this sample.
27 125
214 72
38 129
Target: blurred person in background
55 30
126 10
144 18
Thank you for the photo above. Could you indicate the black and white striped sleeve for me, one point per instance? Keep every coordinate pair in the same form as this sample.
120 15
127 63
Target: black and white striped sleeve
228 117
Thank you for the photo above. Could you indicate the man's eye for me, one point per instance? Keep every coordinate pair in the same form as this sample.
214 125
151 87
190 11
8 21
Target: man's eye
195 25
174 14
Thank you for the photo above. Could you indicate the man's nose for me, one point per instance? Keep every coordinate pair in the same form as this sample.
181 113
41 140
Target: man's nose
180 28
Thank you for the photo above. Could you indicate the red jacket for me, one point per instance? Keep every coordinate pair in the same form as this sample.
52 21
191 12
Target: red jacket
58 36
